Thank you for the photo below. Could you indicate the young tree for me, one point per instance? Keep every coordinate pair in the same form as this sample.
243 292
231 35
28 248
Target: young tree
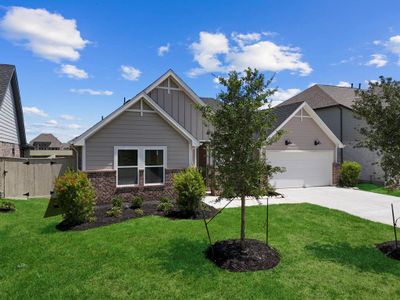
379 106
239 136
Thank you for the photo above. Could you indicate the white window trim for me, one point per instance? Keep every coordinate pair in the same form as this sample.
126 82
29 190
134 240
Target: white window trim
164 165
141 163
116 167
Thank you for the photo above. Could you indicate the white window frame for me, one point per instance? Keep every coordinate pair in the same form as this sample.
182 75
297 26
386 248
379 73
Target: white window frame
116 167
141 163
164 165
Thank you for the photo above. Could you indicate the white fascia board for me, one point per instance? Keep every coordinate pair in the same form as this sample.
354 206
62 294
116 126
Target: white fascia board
180 81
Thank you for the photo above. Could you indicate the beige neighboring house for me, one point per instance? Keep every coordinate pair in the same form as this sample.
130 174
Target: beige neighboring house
12 129
47 145
160 131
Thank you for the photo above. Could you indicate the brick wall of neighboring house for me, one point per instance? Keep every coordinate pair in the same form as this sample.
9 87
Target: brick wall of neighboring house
335 173
104 182
9 150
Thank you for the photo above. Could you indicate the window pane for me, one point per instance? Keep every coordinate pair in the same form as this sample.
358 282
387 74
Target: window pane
154 175
127 157
127 176
154 157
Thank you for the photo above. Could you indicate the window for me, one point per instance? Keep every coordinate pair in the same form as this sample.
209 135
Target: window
154 166
127 167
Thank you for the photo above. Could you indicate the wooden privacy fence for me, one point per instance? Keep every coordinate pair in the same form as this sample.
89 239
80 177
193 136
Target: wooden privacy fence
31 177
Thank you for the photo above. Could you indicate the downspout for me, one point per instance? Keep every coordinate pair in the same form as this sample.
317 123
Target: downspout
77 156
341 133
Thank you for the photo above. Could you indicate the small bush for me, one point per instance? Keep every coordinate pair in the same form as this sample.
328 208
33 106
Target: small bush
115 211
7 206
139 211
190 188
349 173
165 207
117 202
76 196
137 202
165 199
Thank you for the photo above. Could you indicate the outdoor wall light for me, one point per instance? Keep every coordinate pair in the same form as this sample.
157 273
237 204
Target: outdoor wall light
317 142
288 142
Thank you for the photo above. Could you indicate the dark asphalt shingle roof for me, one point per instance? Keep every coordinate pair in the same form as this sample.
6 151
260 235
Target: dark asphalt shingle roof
6 73
47 138
320 96
210 101
282 113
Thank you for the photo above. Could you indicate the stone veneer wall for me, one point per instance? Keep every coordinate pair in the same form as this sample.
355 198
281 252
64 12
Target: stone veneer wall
335 173
6 150
104 182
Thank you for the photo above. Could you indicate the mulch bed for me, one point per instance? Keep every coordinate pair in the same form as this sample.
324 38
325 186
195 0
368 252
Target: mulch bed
149 209
389 248
254 257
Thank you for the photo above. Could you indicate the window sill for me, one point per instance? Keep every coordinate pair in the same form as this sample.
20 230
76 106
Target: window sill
154 184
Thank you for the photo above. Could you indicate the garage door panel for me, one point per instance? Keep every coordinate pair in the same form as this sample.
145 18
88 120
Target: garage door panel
303 168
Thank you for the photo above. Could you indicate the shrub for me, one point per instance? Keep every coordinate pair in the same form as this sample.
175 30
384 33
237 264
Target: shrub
76 196
137 202
349 173
190 188
165 205
117 202
139 211
115 211
7 206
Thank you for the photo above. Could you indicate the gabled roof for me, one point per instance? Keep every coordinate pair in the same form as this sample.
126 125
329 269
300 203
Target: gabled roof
286 113
80 140
320 96
8 75
171 73
213 103
47 138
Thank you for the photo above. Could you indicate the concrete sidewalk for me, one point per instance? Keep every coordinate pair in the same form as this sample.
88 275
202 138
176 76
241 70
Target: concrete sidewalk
367 205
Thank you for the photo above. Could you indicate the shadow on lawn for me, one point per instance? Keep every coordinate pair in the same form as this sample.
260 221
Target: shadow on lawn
364 258
185 256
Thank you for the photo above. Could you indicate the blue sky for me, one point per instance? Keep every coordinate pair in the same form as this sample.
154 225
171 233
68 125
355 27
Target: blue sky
76 61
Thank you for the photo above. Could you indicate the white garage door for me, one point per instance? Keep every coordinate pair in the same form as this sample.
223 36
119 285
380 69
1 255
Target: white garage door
303 168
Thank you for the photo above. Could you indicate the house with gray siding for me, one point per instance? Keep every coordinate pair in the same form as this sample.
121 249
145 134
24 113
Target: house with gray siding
12 129
333 104
160 131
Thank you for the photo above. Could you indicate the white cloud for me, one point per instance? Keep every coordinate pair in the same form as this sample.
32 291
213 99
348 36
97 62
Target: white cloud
33 110
213 54
377 60
73 126
163 49
206 52
343 84
282 95
51 123
311 84
130 73
91 92
73 72
67 117
393 44
48 35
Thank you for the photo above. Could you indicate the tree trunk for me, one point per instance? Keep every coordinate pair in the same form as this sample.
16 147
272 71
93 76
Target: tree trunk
243 222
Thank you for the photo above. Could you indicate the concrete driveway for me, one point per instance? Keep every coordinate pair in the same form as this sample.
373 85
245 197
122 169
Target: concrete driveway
370 206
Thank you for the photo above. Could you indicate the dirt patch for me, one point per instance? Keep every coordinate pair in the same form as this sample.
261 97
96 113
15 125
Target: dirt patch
255 256
149 209
389 248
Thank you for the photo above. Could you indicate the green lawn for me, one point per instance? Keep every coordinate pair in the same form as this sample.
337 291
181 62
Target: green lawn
325 254
370 187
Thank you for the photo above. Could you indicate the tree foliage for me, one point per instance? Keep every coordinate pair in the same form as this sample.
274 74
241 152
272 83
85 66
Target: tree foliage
379 106
239 136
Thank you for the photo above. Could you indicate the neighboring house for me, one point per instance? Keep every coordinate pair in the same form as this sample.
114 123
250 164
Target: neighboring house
47 145
12 129
160 131
333 105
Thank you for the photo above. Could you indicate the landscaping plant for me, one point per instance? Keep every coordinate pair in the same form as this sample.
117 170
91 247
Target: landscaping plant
165 205
379 106
349 173
7 206
76 196
116 209
190 188
139 211
137 202
241 129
